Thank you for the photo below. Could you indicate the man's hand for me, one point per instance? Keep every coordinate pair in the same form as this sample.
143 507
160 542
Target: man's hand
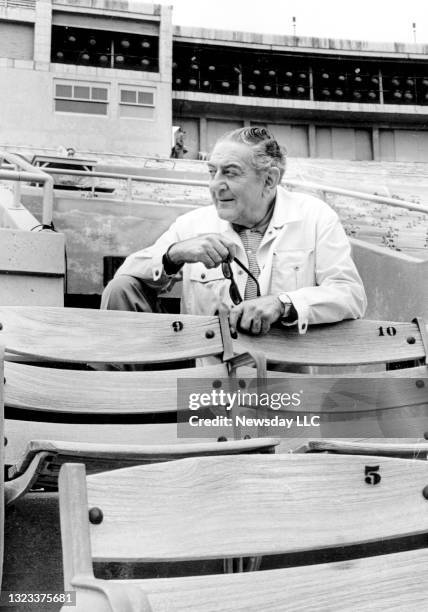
256 316
209 249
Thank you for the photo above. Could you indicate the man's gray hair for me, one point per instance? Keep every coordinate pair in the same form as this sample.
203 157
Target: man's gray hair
267 153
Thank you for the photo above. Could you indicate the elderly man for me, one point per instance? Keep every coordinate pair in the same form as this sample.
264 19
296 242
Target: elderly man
268 254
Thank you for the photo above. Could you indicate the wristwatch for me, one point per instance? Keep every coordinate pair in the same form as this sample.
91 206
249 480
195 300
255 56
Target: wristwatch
286 304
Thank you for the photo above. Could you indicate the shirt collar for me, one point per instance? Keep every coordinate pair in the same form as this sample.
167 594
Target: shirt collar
262 225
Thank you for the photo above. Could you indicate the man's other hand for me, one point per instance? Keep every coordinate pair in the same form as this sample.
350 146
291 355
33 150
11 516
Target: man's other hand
255 316
209 249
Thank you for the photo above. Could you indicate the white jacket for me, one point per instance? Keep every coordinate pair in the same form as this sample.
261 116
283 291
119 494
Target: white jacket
304 253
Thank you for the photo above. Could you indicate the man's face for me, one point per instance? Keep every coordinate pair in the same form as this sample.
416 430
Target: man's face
238 192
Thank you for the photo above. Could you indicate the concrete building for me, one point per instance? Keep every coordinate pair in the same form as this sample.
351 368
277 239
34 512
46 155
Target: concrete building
115 76
91 74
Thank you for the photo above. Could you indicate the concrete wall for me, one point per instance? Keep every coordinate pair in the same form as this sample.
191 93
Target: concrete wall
307 139
31 263
396 284
27 114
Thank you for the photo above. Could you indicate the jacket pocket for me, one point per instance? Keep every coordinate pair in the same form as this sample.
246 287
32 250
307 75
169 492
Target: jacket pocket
292 269
207 289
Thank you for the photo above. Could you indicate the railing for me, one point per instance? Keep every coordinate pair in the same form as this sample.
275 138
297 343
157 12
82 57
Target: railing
323 189
23 171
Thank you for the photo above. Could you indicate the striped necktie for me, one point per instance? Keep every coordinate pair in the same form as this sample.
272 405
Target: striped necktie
251 240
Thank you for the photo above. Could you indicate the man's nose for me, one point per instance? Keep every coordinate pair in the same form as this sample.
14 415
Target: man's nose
218 184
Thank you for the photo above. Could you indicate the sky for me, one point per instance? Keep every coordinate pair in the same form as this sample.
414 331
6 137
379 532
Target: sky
373 20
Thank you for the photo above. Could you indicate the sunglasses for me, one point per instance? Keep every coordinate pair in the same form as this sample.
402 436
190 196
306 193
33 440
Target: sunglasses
234 293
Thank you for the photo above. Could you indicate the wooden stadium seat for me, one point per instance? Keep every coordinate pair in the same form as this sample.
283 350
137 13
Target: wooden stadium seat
352 400
348 343
213 507
383 448
39 466
106 418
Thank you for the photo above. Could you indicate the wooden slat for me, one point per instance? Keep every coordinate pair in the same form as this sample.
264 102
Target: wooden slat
52 390
84 335
381 584
244 506
101 457
344 343
410 450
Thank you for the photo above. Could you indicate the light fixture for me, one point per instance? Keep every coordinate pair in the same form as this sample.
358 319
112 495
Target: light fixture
119 59
85 57
103 59
145 62
71 38
145 44
60 55
92 41
125 43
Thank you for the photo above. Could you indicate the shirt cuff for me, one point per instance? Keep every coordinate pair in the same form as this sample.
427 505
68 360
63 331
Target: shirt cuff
299 314
169 267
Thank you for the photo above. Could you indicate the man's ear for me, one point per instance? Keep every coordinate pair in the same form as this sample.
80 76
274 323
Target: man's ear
272 177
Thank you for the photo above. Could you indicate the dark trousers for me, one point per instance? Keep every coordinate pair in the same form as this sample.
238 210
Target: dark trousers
129 293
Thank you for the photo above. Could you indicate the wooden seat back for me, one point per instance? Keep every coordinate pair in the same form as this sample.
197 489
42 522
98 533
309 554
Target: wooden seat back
345 343
79 335
384 448
222 507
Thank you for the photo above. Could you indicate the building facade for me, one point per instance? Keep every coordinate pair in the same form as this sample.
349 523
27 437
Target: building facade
114 76
91 74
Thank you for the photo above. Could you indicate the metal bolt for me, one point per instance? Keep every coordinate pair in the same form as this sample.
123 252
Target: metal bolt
420 384
209 334
241 383
411 340
216 384
96 516
425 492
222 439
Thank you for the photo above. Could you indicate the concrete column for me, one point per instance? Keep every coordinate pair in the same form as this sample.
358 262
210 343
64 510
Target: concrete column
203 135
165 73
376 144
312 140
165 43
42 31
